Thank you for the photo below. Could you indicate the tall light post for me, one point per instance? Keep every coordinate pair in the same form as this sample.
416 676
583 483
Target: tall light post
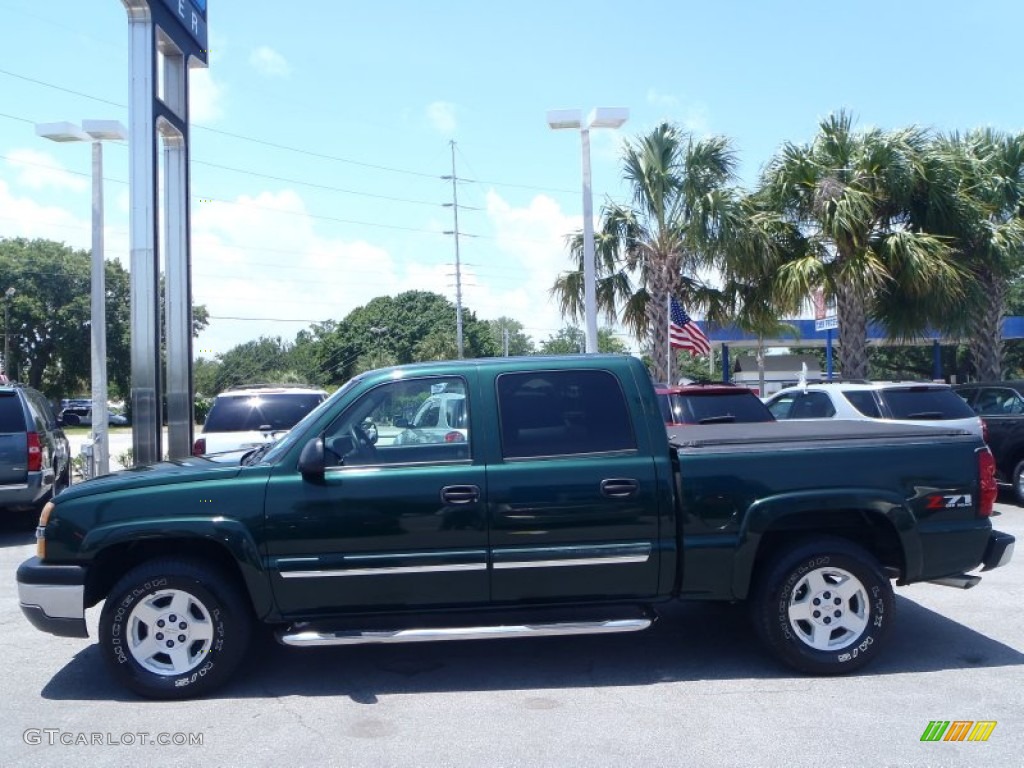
9 296
95 131
601 117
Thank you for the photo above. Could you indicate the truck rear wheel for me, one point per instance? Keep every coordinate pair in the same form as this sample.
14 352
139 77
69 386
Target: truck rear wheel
823 606
173 629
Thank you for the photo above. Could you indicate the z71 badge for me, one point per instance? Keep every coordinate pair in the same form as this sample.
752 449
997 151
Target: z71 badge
950 501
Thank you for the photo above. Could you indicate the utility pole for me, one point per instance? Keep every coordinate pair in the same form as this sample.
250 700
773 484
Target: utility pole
504 341
458 263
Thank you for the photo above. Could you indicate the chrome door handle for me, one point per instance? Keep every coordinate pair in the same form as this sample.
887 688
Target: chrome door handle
619 487
460 494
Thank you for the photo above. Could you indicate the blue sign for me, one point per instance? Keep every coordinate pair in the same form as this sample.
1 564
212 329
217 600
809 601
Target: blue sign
192 15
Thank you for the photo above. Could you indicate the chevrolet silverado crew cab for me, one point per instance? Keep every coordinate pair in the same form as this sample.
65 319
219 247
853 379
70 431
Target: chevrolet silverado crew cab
562 507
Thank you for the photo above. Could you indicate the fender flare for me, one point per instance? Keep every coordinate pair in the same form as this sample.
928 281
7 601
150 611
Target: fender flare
770 513
230 535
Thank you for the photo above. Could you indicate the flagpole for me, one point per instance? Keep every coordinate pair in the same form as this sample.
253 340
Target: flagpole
668 339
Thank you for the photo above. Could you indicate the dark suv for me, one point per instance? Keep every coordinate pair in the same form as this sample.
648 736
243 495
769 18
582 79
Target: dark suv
35 458
710 404
1000 404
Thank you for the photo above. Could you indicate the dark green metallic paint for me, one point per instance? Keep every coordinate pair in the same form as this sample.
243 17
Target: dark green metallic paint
542 531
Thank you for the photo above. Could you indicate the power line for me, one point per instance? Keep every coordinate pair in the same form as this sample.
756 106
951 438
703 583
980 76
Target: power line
314 185
276 145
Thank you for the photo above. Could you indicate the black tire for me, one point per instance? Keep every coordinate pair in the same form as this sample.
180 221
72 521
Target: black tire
840 575
71 419
206 609
1018 483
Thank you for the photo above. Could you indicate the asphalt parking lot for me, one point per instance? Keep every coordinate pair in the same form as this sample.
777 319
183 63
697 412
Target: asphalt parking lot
694 690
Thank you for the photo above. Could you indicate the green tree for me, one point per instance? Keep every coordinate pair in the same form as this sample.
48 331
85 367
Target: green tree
973 198
204 376
50 311
518 342
572 340
849 193
664 239
263 361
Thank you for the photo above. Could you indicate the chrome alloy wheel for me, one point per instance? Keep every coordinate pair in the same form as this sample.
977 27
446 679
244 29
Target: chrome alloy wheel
170 632
828 609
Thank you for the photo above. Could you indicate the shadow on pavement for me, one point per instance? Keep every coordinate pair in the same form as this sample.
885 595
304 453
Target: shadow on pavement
690 642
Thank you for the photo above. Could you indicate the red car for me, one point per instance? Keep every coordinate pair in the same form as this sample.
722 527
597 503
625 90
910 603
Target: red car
710 404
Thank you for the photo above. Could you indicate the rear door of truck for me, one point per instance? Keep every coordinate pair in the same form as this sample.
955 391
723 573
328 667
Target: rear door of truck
573 493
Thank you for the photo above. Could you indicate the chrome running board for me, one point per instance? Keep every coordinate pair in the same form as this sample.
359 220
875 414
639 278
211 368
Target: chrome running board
313 637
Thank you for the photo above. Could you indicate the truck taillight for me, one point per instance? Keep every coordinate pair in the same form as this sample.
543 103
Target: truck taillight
455 437
989 490
35 452
199 447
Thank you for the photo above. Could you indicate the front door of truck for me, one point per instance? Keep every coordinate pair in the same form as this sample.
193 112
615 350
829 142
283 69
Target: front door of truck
398 519
574 498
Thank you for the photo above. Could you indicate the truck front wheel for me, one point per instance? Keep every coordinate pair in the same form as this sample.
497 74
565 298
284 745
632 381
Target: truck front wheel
823 606
174 629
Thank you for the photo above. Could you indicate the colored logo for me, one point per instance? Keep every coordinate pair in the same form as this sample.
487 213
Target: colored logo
958 730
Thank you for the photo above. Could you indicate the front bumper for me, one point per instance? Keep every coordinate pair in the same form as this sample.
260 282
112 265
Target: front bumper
52 597
999 550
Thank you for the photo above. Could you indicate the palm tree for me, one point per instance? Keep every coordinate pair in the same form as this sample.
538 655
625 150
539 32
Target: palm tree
657 245
849 193
973 196
757 244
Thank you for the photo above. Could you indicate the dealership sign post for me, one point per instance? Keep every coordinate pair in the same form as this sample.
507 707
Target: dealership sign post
825 319
171 35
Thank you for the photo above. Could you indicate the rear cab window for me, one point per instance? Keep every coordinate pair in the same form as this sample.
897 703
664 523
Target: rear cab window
740 406
558 413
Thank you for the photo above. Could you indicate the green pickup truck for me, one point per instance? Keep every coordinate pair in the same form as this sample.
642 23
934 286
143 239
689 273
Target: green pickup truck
547 498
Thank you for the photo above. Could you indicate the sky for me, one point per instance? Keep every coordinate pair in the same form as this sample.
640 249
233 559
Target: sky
322 130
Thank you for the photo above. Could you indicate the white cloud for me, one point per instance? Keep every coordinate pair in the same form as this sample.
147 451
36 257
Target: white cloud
206 97
261 257
24 217
442 116
269 62
40 170
531 253
693 116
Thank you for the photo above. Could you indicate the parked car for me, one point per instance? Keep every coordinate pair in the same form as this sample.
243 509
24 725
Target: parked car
924 403
75 413
440 419
710 404
1000 404
565 510
35 457
241 419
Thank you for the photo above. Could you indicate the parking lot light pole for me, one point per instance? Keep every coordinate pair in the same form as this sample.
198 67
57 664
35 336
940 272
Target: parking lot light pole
602 117
9 296
96 132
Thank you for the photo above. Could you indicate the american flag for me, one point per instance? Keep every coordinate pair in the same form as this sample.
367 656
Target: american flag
684 333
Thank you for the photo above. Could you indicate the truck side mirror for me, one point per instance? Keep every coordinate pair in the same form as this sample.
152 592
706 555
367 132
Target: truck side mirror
311 460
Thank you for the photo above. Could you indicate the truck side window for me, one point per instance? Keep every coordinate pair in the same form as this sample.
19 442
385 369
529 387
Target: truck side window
555 413
416 421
